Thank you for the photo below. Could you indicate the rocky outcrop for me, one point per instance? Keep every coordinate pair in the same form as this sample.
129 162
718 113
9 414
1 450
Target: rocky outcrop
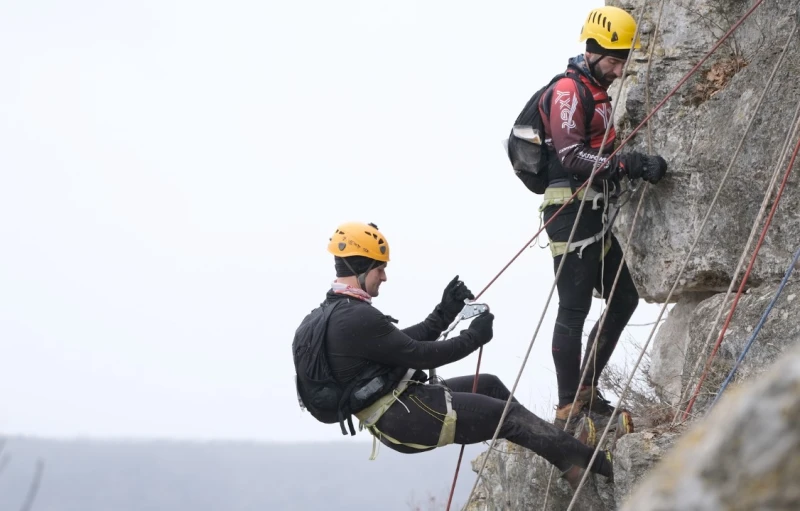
668 355
745 455
515 478
636 454
779 333
697 132
680 341
747 459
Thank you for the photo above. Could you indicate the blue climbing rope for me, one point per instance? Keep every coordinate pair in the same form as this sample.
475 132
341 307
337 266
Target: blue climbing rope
758 326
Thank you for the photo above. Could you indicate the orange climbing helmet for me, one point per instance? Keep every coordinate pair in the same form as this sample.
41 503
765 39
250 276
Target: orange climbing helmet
359 239
613 28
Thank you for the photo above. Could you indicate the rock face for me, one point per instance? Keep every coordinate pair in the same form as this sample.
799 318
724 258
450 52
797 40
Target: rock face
636 454
697 132
746 455
780 332
680 341
668 355
514 478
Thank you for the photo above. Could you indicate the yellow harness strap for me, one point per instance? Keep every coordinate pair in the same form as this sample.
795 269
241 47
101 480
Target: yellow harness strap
556 196
369 417
558 248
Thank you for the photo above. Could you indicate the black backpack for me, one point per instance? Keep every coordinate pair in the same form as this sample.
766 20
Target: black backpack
318 391
526 147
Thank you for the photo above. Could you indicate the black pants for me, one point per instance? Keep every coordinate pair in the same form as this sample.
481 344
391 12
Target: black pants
578 277
416 421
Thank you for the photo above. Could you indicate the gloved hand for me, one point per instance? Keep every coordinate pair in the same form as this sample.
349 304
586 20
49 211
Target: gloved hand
481 327
649 168
453 298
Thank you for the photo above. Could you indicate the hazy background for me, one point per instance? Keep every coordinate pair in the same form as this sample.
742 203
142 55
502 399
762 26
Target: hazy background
172 171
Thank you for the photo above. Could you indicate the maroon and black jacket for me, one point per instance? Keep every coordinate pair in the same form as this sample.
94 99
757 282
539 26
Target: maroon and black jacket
575 144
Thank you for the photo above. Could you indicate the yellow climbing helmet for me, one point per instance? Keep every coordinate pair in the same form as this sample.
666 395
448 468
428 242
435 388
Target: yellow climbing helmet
359 239
613 28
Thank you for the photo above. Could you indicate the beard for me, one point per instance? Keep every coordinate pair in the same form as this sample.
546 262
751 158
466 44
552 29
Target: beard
603 79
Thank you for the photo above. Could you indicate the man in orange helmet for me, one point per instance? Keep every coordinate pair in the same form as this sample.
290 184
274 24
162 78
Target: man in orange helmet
576 114
352 359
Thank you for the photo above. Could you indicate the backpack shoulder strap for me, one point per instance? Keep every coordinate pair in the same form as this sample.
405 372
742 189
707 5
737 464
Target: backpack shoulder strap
343 411
547 93
587 100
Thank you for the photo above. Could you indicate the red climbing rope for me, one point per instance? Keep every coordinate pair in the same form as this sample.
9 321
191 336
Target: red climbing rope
575 194
744 282
461 452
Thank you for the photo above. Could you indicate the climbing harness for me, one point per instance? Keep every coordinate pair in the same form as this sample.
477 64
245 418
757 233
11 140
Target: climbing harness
470 310
369 417
556 196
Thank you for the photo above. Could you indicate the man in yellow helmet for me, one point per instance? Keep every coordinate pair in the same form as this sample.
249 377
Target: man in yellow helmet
576 113
352 359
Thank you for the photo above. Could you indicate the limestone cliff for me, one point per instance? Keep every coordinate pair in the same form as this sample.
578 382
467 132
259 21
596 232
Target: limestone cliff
744 454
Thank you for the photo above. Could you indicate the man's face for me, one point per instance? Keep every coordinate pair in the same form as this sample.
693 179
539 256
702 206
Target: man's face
375 278
608 69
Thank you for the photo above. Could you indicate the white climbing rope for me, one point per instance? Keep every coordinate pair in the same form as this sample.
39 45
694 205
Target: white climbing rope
783 155
555 281
592 346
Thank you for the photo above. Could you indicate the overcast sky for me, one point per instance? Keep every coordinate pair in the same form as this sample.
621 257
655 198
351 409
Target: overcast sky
172 171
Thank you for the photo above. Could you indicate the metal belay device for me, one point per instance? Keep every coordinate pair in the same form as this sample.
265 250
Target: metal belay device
470 310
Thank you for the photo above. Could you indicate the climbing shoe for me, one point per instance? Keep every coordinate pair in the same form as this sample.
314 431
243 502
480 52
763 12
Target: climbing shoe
594 401
607 464
586 432
624 425
603 465
562 412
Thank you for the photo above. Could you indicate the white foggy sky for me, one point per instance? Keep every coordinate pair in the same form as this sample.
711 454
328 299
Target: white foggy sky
172 170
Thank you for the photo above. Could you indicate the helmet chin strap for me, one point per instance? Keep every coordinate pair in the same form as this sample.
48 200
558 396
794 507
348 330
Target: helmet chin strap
361 278
593 64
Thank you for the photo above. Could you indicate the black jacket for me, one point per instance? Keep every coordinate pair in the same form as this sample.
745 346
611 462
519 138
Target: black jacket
359 336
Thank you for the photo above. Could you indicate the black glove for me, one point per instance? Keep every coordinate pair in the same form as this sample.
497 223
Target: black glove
649 168
481 328
453 298
632 164
655 167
